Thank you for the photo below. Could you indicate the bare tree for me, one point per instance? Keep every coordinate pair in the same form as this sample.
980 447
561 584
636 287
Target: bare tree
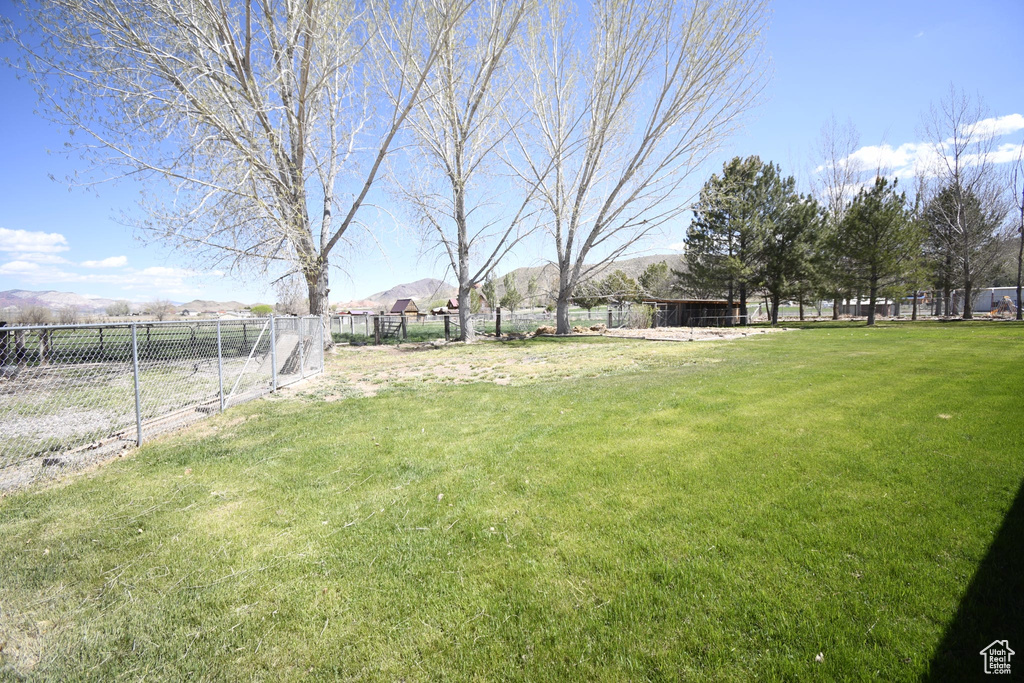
291 297
160 309
965 208
249 113
837 177
34 314
458 127
1017 190
118 308
624 104
838 174
67 315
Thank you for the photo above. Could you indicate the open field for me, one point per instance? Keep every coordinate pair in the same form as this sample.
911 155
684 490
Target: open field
554 509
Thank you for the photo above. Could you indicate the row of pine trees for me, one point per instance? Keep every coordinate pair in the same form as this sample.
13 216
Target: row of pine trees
753 234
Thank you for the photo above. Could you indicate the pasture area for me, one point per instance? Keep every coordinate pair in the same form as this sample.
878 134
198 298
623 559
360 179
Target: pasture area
554 509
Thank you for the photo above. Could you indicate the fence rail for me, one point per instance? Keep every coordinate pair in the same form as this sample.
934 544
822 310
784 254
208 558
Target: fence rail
65 388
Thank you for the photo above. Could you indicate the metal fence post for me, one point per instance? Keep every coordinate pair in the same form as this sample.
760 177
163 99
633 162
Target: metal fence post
138 397
220 368
302 343
273 356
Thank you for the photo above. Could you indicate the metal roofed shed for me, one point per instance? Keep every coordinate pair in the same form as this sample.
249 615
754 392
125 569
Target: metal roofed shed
405 307
695 312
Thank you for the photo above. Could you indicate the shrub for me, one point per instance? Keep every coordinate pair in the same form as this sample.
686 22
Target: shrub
640 317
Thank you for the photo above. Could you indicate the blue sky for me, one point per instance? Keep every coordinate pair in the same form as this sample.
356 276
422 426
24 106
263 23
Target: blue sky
878 63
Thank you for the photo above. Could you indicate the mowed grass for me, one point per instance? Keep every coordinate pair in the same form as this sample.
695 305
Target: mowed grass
724 511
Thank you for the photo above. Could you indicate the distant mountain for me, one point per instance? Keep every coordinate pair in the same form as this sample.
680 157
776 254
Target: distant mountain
547 275
204 306
430 289
422 292
17 298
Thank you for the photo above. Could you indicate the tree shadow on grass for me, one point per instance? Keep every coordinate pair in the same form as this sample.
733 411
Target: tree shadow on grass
991 609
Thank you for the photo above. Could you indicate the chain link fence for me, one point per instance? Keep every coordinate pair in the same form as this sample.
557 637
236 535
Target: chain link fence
75 388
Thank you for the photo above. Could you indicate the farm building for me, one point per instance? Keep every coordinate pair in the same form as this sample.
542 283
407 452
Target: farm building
694 312
405 307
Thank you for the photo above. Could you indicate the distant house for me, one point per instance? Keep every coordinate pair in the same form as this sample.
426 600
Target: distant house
451 307
405 307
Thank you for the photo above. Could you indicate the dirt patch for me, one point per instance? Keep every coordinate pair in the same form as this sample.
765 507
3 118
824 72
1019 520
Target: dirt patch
22 641
694 333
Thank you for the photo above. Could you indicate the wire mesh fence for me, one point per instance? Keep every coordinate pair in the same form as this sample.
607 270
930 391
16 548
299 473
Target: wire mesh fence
362 328
75 387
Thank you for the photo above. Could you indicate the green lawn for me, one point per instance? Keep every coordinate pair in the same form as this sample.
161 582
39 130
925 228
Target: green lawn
718 510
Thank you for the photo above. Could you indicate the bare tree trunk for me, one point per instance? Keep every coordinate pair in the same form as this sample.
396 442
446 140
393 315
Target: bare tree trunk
316 284
835 306
872 298
466 331
968 289
743 302
732 309
775 310
562 313
562 325
801 307
913 310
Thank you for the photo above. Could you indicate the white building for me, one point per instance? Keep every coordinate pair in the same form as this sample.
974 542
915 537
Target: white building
988 299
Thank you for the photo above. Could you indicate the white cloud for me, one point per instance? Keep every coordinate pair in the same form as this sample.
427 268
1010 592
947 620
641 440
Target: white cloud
42 258
1006 153
678 246
909 158
111 262
149 282
997 126
164 271
909 155
32 242
21 268
920 34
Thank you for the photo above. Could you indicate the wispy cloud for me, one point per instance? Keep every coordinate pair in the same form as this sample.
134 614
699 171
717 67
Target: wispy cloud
919 34
148 282
678 246
111 262
41 258
35 258
24 241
